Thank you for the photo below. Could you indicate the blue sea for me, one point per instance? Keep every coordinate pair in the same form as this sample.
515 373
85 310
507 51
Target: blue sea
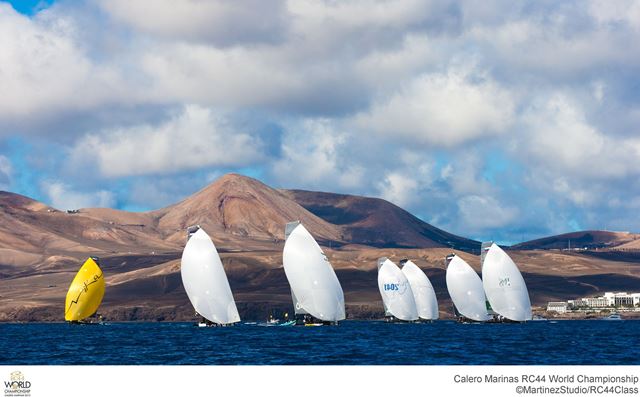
350 343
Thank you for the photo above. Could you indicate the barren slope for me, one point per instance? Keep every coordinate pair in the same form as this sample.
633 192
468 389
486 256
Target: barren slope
376 222
240 206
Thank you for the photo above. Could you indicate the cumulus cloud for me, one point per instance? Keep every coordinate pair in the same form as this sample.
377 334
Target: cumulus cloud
560 137
311 156
484 212
153 192
446 108
609 13
194 138
63 197
44 70
398 188
6 171
222 23
442 109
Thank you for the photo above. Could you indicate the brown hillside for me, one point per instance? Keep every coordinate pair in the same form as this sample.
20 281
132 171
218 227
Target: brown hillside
240 206
377 223
588 239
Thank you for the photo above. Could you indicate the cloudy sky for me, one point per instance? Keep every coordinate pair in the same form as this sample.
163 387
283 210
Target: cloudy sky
489 119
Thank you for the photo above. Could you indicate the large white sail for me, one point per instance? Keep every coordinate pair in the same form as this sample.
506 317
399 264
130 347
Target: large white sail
396 292
314 285
423 292
465 288
297 308
206 282
505 288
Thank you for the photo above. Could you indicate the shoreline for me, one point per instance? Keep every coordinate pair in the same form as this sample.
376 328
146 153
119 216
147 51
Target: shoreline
243 322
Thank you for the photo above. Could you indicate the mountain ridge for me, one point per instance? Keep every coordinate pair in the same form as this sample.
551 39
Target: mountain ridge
583 239
41 249
231 209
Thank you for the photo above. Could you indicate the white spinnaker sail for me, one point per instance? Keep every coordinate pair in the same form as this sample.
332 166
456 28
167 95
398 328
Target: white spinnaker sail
505 288
206 282
297 308
396 292
312 279
423 292
465 288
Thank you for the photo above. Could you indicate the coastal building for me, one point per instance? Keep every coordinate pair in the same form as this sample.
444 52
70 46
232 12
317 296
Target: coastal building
608 300
560 307
597 302
622 298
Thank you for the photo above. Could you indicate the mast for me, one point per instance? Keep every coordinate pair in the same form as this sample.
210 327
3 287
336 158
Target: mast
483 252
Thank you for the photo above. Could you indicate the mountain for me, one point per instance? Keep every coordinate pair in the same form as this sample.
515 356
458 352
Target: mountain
235 210
41 249
243 207
376 222
588 239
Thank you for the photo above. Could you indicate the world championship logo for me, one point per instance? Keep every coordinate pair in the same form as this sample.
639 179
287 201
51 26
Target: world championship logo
17 385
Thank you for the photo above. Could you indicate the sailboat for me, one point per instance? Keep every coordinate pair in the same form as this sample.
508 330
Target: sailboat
85 293
396 292
423 292
465 288
315 290
206 282
504 286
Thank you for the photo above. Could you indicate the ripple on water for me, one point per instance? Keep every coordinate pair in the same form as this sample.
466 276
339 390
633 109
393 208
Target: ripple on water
353 342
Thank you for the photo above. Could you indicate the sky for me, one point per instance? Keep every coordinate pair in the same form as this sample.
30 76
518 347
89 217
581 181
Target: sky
490 119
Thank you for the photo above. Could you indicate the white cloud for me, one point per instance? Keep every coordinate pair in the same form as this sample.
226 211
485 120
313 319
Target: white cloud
462 175
63 197
406 99
6 172
194 138
222 77
44 69
576 194
222 22
442 109
399 65
398 188
153 192
311 156
484 212
363 13
406 179
561 44
610 13
560 138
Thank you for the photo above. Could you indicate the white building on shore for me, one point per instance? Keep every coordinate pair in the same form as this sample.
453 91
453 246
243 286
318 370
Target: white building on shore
560 307
608 300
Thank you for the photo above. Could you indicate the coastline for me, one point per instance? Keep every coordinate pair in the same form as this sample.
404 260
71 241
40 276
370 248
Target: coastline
250 311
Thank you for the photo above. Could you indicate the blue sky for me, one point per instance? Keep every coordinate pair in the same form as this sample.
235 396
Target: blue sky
488 119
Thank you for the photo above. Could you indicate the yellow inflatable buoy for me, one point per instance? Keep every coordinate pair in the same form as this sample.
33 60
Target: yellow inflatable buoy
85 292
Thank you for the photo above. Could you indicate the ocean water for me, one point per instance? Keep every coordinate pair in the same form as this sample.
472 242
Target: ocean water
350 343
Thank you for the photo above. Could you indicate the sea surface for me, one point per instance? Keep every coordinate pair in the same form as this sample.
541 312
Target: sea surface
350 343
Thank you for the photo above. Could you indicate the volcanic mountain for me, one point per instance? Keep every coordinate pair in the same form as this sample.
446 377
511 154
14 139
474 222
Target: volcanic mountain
377 223
588 239
242 207
240 213
41 249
